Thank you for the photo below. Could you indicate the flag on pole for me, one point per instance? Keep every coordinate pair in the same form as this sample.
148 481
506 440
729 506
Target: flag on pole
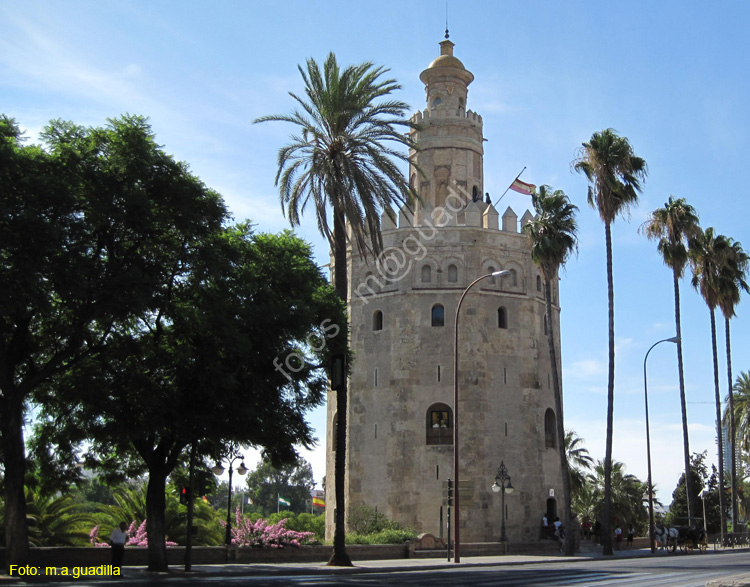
284 501
522 187
319 502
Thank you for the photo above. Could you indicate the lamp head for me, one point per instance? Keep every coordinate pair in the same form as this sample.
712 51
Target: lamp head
218 469
674 339
242 469
495 487
502 273
508 487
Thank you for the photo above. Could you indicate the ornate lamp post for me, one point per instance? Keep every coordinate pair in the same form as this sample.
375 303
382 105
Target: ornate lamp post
456 537
502 485
650 489
232 455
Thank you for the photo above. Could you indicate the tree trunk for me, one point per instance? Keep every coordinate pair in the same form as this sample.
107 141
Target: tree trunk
607 522
722 510
732 434
570 545
339 557
155 522
689 482
16 531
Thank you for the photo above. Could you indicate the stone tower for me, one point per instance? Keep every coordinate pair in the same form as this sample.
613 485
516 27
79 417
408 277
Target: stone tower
402 311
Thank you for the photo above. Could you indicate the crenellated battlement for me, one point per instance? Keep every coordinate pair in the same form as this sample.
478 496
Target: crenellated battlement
420 117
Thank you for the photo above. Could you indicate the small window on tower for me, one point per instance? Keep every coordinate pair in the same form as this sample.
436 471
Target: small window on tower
437 102
452 274
439 424
377 320
438 315
426 274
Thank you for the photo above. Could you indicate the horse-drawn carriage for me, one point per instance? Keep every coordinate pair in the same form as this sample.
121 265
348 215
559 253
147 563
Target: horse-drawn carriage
688 539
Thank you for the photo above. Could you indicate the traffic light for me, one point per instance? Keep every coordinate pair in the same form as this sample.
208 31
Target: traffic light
185 495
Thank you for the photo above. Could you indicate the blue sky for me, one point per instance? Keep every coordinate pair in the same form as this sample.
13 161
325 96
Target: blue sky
671 76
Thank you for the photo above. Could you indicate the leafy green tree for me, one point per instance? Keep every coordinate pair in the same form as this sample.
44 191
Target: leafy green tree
293 481
673 227
708 257
615 175
553 239
206 364
707 486
90 227
731 284
341 162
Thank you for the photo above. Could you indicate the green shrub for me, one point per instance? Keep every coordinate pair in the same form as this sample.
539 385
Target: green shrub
388 536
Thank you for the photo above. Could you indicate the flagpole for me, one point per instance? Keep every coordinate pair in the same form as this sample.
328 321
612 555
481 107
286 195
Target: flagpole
511 183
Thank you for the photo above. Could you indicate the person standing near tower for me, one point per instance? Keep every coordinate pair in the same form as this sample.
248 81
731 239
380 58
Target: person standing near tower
118 538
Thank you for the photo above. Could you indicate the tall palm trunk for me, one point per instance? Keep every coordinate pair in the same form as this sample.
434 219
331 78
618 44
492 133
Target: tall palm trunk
732 434
570 546
718 428
689 484
606 522
339 557
16 532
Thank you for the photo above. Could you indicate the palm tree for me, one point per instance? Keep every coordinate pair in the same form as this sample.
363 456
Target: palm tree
732 282
741 410
708 256
615 174
674 226
341 163
579 461
553 240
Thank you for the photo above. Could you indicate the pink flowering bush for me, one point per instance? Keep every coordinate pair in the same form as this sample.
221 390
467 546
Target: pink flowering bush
261 534
138 537
95 540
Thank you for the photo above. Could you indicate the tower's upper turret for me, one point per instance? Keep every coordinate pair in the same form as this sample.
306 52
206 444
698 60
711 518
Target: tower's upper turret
450 153
446 80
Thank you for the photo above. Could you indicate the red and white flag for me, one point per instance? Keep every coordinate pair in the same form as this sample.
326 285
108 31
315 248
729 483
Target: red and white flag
522 187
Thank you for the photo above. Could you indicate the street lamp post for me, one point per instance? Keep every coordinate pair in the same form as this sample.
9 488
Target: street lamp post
231 456
674 339
704 495
501 478
456 530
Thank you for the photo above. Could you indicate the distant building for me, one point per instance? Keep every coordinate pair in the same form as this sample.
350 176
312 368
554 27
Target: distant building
401 413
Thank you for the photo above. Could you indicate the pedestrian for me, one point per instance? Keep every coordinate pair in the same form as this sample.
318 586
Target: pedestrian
631 534
545 526
586 529
560 533
118 538
618 537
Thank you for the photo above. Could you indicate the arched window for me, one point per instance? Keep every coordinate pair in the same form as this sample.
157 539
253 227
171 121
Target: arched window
452 274
538 283
550 427
438 315
502 318
439 424
513 277
437 102
426 274
475 195
493 280
377 320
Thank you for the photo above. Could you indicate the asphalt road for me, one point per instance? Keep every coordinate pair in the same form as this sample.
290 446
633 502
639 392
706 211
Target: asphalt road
662 571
